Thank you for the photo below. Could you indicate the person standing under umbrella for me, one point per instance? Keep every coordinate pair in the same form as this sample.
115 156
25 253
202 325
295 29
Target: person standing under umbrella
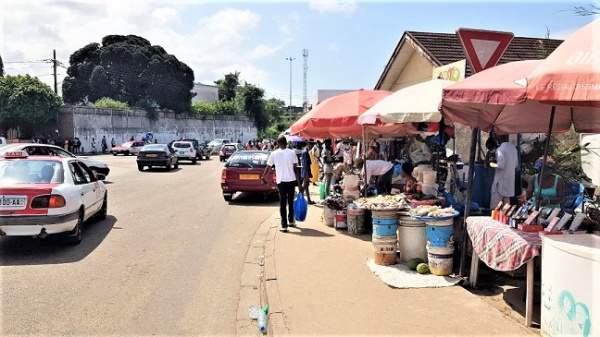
503 187
306 173
314 154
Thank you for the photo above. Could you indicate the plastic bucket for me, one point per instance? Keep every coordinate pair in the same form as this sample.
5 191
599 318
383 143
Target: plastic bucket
385 244
356 220
439 236
412 238
328 216
429 177
440 260
384 227
385 214
340 219
384 259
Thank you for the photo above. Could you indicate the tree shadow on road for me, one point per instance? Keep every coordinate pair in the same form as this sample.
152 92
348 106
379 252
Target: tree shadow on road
15 251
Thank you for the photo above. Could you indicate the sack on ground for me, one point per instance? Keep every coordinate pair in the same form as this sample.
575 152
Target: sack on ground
300 207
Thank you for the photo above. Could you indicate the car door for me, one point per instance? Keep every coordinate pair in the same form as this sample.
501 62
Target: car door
86 184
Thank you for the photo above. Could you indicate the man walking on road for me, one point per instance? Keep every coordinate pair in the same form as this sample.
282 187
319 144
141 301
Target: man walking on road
286 171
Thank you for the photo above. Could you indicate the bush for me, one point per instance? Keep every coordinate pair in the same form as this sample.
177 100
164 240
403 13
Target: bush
203 109
106 102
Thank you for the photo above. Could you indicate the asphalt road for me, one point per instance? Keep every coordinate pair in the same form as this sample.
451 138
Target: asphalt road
166 261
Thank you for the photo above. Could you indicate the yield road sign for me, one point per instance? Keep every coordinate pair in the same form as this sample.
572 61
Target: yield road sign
483 48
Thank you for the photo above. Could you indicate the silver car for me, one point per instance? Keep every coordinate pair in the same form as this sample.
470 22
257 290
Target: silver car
99 168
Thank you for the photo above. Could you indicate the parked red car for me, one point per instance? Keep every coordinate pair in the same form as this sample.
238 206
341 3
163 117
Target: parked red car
243 173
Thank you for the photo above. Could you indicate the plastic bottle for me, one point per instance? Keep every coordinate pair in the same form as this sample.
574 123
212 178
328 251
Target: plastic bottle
253 312
263 319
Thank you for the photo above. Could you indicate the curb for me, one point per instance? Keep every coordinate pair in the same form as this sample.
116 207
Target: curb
259 283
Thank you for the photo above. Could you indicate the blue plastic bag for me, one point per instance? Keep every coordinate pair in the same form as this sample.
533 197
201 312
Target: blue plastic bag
300 208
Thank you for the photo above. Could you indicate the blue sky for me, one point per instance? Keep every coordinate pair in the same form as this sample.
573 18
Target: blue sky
349 42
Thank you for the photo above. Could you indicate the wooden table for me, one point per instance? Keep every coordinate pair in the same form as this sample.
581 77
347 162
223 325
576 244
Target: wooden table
503 249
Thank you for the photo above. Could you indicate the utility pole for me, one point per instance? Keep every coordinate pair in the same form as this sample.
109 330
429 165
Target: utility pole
290 59
305 96
54 65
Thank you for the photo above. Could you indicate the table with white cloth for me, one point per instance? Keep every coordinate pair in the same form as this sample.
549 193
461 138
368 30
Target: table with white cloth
503 248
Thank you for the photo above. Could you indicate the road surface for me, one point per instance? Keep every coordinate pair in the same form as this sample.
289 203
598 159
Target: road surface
167 260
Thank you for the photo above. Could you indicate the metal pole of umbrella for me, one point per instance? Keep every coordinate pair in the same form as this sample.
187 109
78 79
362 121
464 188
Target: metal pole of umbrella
465 239
546 150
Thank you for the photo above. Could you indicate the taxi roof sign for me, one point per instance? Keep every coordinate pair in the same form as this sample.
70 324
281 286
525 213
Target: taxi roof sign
16 154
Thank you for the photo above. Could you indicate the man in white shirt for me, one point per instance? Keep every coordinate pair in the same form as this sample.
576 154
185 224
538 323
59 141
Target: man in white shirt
507 159
286 172
381 168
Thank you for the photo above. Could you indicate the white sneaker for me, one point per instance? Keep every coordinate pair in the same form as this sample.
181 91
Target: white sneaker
292 224
283 229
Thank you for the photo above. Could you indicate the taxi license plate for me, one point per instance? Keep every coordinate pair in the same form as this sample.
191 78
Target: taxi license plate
182 152
151 155
249 177
13 201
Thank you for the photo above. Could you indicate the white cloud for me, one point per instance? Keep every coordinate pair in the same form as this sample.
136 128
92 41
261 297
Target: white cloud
333 6
165 15
211 45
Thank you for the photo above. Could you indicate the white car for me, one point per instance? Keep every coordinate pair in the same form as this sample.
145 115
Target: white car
46 195
185 151
216 144
99 168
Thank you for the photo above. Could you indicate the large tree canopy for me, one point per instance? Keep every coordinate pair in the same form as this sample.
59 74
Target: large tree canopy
26 102
128 69
1 67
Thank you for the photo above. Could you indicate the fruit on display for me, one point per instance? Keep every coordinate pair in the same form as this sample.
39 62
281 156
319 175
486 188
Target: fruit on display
423 268
414 262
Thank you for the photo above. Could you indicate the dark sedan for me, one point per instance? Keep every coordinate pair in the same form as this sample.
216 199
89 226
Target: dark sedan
243 173
157 155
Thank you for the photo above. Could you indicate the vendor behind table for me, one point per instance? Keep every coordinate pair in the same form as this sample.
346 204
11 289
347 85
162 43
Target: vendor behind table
552 185
381 168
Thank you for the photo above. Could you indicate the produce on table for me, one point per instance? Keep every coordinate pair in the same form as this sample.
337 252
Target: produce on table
432 211
414 262
423 268
383 202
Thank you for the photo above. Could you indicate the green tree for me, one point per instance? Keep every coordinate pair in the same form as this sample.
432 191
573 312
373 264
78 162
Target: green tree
203 109
228 86
1 67
128 69
106 102
230 108
586 11
27 103
254 105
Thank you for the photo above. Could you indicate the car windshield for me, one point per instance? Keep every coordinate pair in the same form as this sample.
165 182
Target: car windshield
126 145
229 147
31 171
182 145
248 160
156 147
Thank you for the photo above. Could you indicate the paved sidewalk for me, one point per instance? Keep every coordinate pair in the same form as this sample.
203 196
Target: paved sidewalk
319 284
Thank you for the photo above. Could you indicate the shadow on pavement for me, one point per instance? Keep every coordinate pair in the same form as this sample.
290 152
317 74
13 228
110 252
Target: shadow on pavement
363 237
308 232
161 170
15 251
247 198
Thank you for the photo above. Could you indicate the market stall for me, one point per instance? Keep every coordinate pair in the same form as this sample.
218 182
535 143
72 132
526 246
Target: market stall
499 98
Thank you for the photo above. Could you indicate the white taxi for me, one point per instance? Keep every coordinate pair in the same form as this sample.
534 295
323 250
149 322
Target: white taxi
43 195
185 150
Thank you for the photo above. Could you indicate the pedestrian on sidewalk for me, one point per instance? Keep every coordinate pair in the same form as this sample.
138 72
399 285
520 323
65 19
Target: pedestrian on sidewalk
306 172
327 156
286 172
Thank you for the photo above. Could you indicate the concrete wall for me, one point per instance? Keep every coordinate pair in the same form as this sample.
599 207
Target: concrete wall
89 123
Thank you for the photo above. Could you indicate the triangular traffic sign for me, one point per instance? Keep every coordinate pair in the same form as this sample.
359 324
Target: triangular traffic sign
483 48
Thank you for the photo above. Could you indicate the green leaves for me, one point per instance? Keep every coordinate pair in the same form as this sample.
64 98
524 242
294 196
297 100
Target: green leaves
106 102
26 102
128 68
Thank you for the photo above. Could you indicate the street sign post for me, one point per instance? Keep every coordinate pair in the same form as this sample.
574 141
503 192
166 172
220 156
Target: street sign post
483 48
